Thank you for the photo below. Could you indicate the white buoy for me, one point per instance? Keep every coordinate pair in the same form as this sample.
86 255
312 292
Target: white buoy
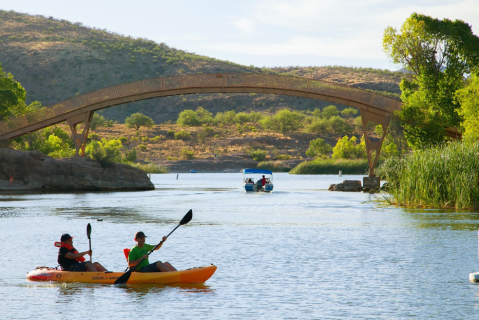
474 277
340 173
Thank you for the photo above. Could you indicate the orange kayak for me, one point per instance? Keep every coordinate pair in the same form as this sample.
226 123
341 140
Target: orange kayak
194 275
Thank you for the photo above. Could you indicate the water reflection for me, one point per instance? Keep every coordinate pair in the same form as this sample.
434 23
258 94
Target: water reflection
443 219
141 290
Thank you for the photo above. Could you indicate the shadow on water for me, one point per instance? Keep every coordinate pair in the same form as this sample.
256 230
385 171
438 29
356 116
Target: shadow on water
443 219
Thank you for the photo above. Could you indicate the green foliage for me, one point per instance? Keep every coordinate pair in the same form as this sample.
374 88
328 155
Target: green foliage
144 139
318 147
439 53
183 135
330 111
468 98
443 176
106 152
51 141
187 154
155 139
170 133
283 157
330 166
349 112
188 118
138 120
171 158
94 136
129 155
339 125
12 97
97 121
242 117
150 167
201 136
283 121
142 147
226 118
275 166
123 140
318 125
255 116
204 116
258 155
348 149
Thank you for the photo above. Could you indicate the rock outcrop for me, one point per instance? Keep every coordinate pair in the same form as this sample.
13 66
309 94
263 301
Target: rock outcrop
34 171
346 185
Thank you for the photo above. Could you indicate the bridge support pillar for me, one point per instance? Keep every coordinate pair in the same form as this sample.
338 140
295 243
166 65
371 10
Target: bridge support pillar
373 146
80 139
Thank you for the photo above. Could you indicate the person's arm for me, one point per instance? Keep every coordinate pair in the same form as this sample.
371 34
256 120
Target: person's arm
75 256
132 263
163 239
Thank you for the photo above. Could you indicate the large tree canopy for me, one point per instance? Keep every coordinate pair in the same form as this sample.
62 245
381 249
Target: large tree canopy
439 54
12 97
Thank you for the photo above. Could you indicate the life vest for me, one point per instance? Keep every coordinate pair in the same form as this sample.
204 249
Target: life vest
69 247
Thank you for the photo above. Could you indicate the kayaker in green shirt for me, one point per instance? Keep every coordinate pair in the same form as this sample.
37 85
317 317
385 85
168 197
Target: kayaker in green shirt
140 251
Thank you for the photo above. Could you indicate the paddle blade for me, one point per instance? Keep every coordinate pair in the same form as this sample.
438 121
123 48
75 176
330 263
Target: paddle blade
187 218
124 278
88 230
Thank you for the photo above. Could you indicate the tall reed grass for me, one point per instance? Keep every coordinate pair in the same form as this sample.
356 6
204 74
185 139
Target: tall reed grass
275 166
445 176
149 167
330 166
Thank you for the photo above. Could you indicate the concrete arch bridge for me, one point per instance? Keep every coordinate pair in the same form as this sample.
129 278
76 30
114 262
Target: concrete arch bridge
79 109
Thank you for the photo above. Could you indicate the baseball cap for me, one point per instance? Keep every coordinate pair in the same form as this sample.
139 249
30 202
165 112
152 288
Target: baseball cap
139 234
65 237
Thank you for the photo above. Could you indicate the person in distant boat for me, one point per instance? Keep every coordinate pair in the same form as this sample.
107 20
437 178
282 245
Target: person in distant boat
72 260
140 251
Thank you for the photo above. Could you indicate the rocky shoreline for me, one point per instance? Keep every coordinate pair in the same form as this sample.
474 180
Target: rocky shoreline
33 171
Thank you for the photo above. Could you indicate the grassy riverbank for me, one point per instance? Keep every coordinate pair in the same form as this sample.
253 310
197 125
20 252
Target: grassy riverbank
331 166
446 176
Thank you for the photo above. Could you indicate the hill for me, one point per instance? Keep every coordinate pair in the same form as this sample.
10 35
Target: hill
56 59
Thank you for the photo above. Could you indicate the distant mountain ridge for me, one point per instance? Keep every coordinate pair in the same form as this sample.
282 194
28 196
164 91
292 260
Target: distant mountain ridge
57 59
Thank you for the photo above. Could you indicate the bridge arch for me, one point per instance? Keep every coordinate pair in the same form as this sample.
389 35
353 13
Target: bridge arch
79 109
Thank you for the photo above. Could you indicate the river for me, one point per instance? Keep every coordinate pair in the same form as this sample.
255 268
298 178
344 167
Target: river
301 252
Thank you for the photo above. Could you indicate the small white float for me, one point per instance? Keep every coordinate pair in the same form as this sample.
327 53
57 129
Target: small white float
474 277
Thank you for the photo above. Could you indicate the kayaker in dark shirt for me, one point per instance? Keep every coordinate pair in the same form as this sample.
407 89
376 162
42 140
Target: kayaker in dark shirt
72 260
140 251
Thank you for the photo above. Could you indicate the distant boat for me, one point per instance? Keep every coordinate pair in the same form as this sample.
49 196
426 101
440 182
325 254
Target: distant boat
249 183
193 171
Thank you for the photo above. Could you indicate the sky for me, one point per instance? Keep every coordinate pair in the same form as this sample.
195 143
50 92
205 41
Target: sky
262 33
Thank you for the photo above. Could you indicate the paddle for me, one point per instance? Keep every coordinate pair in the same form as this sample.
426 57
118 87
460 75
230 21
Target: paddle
124 278
88 232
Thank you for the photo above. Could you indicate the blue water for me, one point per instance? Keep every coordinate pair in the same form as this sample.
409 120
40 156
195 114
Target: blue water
301 252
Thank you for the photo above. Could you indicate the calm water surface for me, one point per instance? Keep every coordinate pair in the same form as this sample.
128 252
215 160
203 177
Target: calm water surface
299 253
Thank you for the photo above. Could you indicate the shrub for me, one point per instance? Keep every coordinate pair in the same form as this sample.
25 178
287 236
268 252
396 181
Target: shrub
144 139
318 147
348 148
330 166
97 121
150 167
94 136
227 117
142 147
155 139
171 158
349 112
170 133
183 135
330 111
106 152
283 157
318 126
242 117
123 140
258 155
339 125
187 154
188 118
129 155
283 121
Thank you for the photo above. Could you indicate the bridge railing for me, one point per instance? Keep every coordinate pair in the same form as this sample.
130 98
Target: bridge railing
249 80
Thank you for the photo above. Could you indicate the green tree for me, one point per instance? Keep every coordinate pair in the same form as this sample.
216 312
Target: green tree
138 120
283 121
258 155
97 121
318 147
349 148
330 111
188 118
339 125
12 97
227 117
438 53
204 116
106 152
349 113
468 98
